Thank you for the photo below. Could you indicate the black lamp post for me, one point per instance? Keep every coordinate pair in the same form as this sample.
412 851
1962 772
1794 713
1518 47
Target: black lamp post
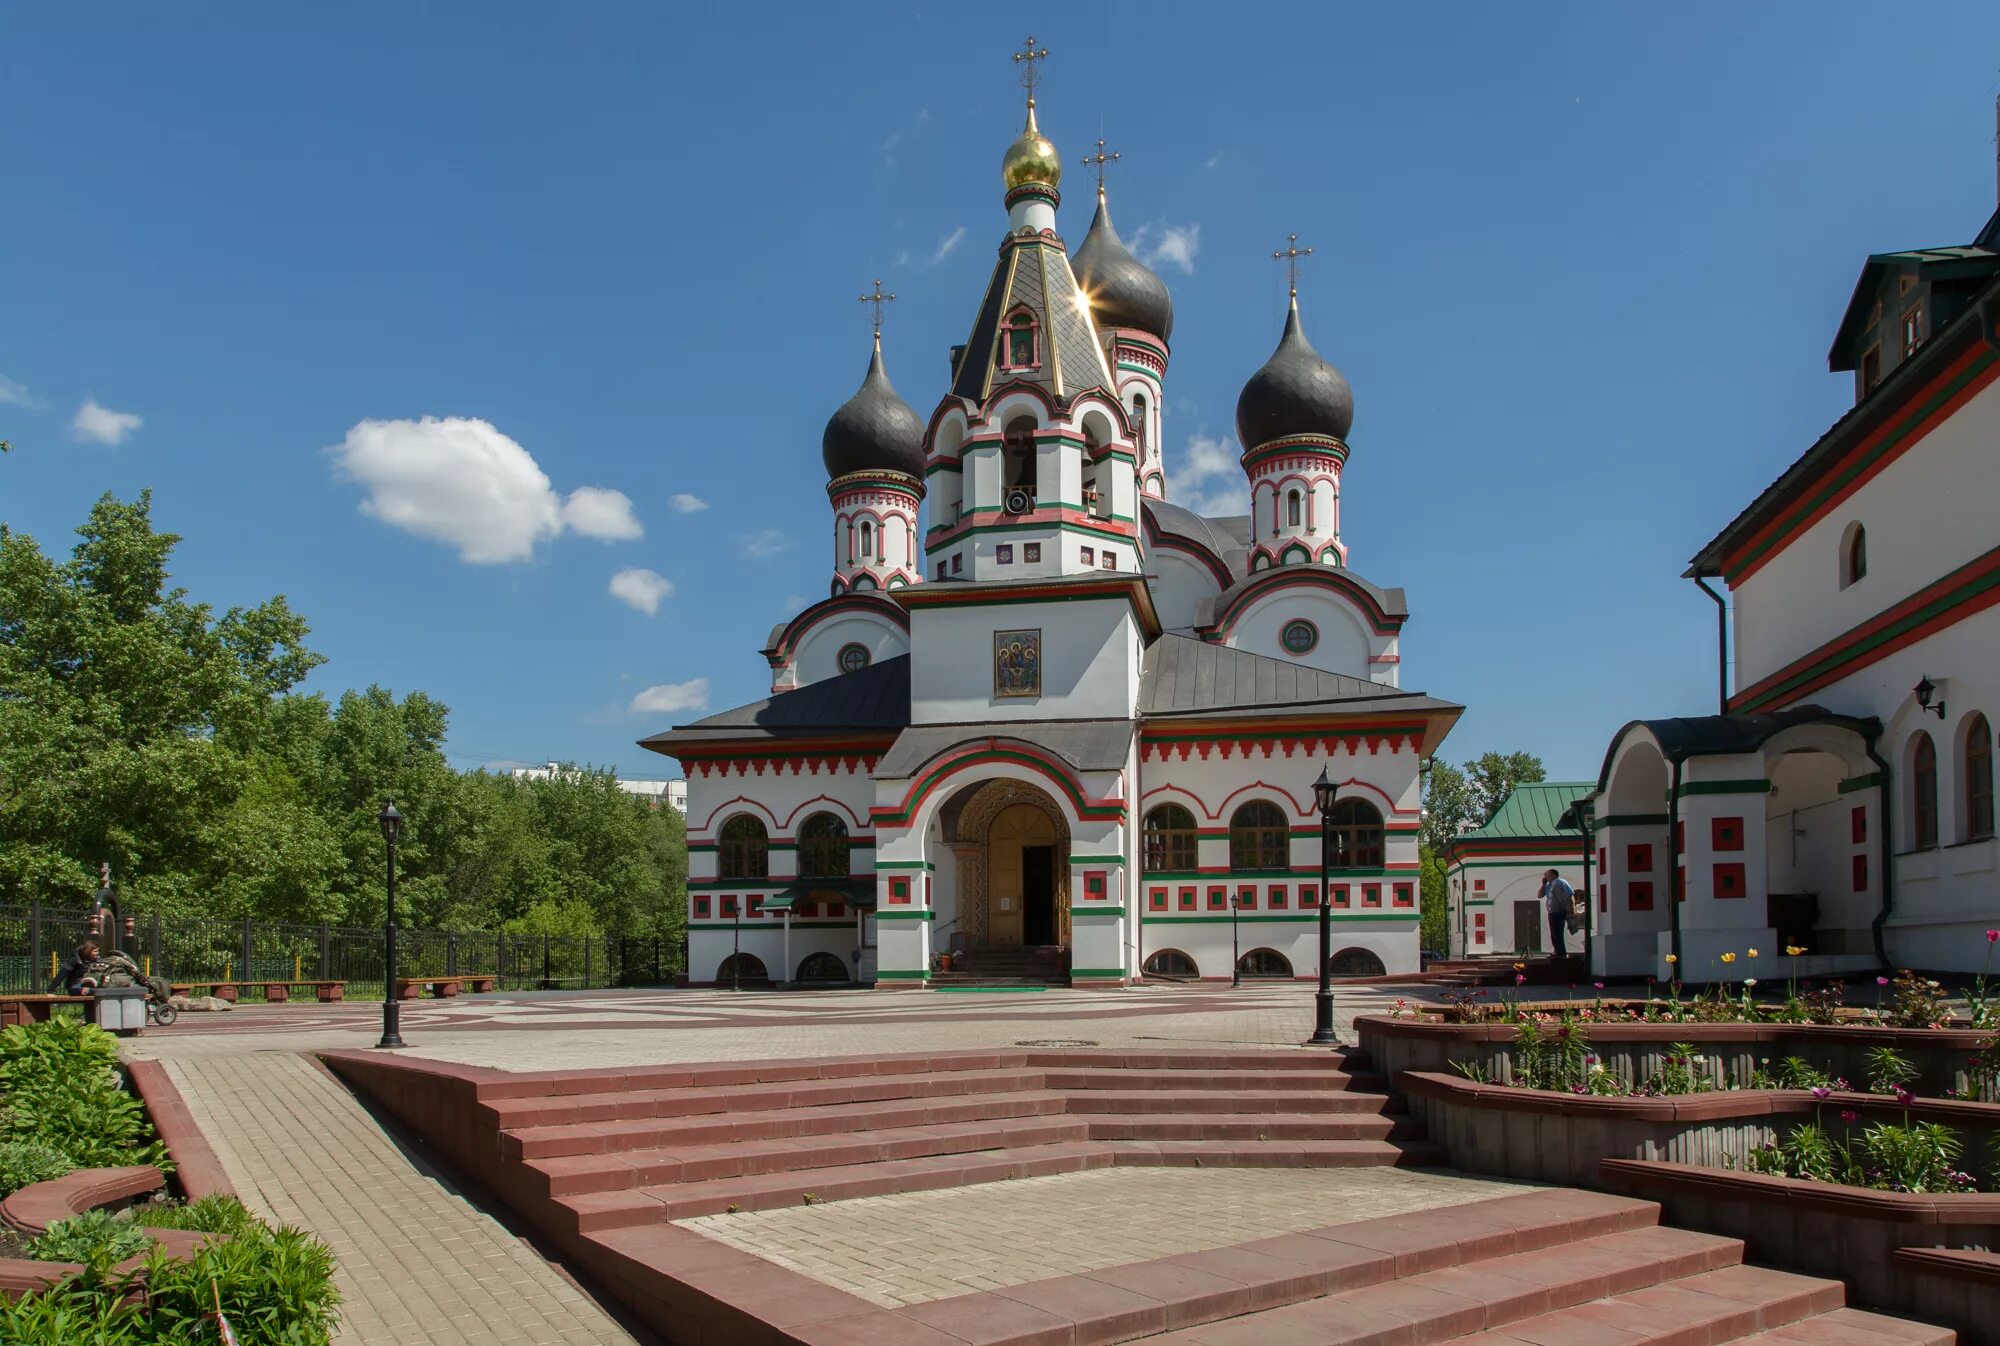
392 1036
1325 789
1235 944
1925 690
1586 822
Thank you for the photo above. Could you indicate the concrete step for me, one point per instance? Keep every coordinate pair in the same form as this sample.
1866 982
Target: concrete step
513 1114
769 1191
652 1133
1267 1081
1212 1102
1664 1287
571 1175
1852 1327
1255 1126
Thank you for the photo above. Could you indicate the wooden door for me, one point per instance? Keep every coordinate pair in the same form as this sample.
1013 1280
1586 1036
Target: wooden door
1528 927
1014 829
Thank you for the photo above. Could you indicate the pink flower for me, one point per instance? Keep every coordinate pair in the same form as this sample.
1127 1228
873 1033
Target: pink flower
1993 936
1598 984
1520 977
1881 981
1849 1115
1821 1092
1904 1096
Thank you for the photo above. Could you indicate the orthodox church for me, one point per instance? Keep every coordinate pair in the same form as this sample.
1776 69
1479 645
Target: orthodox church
1048 726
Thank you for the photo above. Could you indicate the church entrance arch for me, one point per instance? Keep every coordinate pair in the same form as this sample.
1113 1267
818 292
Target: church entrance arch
1012 847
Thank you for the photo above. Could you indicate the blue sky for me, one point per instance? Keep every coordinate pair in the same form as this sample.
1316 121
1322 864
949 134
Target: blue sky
1581 264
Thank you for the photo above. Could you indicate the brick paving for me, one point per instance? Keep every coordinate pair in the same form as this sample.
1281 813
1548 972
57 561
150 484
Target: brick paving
921 1246
417 1262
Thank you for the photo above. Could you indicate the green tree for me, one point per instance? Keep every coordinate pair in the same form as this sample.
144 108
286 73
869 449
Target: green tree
1457 798
1492 777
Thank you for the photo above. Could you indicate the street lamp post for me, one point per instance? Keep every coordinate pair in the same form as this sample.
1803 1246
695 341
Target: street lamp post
1235 944
1325 789
392 1036
1586 819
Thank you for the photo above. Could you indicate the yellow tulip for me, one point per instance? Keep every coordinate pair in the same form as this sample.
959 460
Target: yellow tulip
1728 957
1795 949
1672 959
1753 953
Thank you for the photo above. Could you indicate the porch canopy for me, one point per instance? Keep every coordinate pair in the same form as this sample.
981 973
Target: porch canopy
854 892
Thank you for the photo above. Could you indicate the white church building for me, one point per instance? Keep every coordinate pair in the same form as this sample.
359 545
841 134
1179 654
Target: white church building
1048 725
1841 799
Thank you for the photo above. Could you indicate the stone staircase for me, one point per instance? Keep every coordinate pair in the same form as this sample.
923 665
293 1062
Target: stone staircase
712 1143
1012 966
1498 970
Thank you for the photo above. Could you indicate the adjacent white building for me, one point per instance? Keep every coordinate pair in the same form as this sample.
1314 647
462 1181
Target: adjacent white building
1048 724
672 793
1841 800
1493 874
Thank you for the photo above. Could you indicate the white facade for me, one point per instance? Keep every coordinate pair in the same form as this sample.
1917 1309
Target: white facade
672 793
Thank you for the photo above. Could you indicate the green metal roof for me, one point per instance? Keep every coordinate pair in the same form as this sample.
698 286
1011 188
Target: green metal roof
1532 810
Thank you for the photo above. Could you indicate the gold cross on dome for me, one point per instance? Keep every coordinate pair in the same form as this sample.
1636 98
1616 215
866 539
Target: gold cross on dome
1290 255
878 299
1100 159
1030 76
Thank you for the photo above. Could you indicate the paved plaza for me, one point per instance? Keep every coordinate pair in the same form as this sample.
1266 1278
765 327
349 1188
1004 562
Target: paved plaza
420 1263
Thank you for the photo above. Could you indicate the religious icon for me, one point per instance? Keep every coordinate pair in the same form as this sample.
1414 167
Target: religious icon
1017 663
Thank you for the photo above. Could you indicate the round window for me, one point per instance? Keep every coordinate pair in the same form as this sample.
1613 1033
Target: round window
853 658
1299 637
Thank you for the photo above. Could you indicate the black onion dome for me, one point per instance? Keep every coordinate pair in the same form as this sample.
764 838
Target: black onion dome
1295 393
874 430
1122 292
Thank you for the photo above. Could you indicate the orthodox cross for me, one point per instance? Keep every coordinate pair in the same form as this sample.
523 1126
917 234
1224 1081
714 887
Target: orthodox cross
1290 257
878 299
1030 77
1100 159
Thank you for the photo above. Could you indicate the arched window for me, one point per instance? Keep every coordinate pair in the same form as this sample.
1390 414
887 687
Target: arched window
1357 834
1294 508
1259 838
1170 838
1978 779
1853 554
745 850
741 967
1356 963
824 968
1171 963
1139 417
867 540
1018 345
1264 963
823 847
1923 793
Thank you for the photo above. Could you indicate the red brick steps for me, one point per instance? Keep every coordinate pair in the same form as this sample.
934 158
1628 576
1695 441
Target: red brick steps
1852 1327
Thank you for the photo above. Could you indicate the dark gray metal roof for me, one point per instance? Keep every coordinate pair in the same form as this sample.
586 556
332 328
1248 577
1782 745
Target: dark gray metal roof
874 430
1122 291
1087 745
1683 737
1394 602
1295 393
1224 539
873 699
1034 275
1185 676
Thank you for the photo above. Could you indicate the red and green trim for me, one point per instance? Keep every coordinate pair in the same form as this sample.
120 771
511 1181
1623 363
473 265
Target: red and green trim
1319 446
840 605
1044 764
1305 576
1970 589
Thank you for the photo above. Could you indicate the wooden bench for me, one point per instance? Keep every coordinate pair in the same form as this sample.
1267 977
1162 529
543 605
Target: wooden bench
413 988
35 1009
275 992
475 982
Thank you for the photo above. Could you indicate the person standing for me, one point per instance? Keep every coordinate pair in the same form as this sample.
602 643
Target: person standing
1558 899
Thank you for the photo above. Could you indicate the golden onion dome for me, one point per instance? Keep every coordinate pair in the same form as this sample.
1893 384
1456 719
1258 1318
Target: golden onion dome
1031 158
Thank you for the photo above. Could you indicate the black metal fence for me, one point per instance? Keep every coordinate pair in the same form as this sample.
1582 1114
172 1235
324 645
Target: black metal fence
36 940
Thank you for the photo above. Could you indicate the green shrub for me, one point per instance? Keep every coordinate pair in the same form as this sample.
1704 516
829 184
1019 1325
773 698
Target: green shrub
23 1162
210 1215
62 1088
276 1286
95 1238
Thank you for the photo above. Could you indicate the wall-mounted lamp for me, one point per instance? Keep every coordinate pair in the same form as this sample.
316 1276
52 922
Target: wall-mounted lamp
1925 689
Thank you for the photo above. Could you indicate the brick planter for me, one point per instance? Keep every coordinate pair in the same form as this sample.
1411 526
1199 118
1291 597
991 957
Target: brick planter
35 1207
1850 1233
1634 1051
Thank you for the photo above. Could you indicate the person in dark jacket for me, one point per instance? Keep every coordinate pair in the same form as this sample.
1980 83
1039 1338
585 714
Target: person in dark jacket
78 967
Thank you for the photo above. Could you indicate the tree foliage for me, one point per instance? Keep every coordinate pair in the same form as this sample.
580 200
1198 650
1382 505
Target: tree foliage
1460 797
139 727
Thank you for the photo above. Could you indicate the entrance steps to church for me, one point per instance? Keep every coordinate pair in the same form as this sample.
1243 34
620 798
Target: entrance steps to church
672 1145
1009 966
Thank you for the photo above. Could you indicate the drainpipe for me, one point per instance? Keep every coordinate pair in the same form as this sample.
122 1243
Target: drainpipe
1674 893
1721 644
1879 926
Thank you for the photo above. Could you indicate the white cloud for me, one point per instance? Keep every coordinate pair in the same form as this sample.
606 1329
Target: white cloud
947 245
796 603
764 543
1164 244
901 259
101 424
684 503
1208 478
667 697
459 481
17 394
604 514
1213 159
641 589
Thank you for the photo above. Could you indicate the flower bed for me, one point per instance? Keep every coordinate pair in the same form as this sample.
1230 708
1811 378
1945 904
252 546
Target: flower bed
1737 1054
